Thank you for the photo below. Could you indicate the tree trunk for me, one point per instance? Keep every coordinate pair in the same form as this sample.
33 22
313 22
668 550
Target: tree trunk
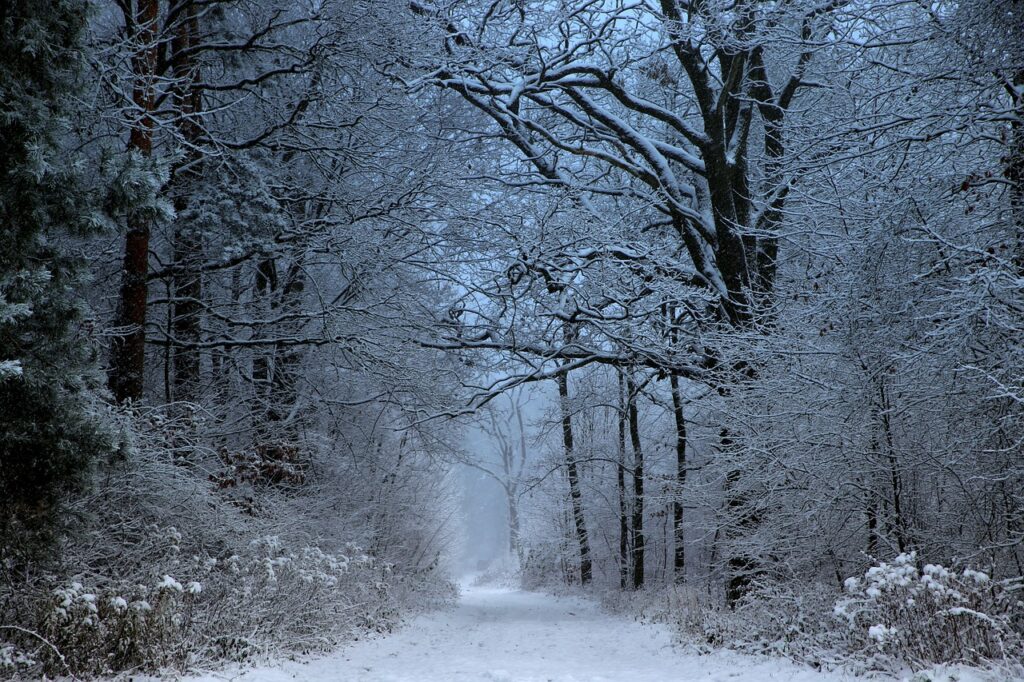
1014 171
575 493
621 483
871 510
638 486
262 363
128 347
513 473
284 396
742 566
679 559
186 325
899 521
515 545
221 367
188 243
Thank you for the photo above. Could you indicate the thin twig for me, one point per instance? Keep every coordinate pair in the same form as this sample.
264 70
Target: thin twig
44 641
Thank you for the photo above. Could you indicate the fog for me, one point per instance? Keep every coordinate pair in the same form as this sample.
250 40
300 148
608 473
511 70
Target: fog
485 543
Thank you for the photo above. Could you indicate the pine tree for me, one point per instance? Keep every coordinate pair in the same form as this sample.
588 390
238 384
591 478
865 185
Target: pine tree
48 433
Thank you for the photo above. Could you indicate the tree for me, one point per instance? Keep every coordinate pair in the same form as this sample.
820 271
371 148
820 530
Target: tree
128 348
637 523
673 118
50 429
504 424
678 527
579 518
195 70
620 481
628 103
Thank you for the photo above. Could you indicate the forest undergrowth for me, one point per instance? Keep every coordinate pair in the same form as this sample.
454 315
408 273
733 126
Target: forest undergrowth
898 617
182 559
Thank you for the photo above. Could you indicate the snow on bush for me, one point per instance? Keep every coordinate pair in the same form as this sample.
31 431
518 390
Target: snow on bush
897 615
250 603
933 614
775 618
168 572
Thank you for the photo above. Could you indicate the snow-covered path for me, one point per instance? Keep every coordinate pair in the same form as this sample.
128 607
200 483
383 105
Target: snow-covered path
497 634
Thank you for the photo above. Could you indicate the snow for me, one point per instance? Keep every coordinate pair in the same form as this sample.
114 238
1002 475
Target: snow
10 368
506 635
880 632
169 583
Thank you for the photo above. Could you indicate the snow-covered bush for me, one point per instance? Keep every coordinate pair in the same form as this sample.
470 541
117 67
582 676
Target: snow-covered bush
182 610
774 619
167 571
933 614
684 606
132 625
899 614
780 618
549 565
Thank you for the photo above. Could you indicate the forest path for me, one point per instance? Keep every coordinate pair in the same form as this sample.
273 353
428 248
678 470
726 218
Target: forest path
505 635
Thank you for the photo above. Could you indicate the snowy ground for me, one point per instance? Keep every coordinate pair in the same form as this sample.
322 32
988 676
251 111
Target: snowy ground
504 635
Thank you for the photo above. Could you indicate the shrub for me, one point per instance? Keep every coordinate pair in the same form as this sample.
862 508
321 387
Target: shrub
933 614
185 610
167 571
774 619
897 615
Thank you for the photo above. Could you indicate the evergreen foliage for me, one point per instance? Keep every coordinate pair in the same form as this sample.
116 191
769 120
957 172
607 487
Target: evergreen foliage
48 435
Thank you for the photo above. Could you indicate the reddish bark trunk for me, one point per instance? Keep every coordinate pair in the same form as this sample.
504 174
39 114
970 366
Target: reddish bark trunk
128 349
